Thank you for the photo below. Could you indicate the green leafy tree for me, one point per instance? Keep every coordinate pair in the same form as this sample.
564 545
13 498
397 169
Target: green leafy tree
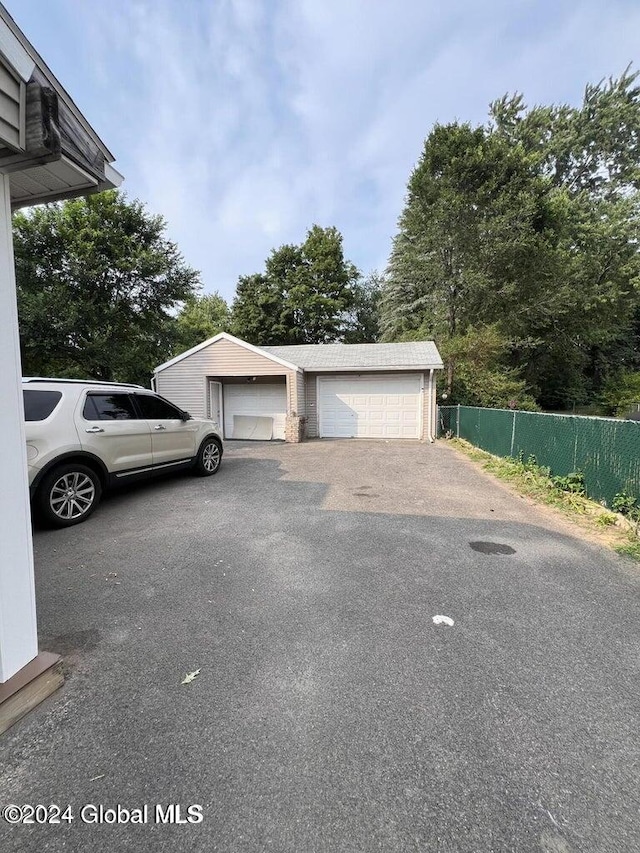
592 148
621 393
97 280
304 295
530 224
362 323
474 242
258 312
591 155
200 318
481 373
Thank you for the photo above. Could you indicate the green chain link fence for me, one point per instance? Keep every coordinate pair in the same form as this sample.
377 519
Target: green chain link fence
605 450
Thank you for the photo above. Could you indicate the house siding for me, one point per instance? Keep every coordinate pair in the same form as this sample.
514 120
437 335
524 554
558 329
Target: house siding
12 110
311 408
296 387
185 382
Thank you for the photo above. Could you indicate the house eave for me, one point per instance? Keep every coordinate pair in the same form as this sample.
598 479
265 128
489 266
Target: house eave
380 368
26 49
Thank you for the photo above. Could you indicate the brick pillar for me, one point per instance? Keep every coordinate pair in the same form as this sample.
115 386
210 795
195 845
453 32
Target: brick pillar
294 429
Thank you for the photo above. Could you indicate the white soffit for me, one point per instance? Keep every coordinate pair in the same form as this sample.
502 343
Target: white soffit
50 179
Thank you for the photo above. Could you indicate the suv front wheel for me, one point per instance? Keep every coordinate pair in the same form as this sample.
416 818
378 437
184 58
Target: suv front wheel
209 457
69 494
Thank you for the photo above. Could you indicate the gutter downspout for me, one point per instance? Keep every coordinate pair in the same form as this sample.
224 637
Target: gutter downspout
432 409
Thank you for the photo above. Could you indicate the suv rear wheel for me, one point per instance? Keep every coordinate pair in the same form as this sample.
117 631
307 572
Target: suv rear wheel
69 494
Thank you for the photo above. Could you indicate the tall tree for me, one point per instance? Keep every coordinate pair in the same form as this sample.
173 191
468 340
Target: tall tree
529 224
591 154
258 312
474 240
201 317
592 148
303 297
96 280
362 324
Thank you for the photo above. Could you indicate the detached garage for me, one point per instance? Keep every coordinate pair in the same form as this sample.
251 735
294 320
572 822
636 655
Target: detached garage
385 391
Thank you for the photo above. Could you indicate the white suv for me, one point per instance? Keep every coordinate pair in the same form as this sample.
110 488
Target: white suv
85 436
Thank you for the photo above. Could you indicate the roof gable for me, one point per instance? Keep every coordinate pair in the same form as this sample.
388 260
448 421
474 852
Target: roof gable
225 336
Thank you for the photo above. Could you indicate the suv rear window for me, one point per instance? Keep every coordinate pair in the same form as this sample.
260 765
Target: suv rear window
109 407
38 405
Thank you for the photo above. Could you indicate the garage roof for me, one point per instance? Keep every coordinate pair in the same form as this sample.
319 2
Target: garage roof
417 355
414 354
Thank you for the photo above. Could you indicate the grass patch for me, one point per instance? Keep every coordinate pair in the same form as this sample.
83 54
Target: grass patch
561 493
629 549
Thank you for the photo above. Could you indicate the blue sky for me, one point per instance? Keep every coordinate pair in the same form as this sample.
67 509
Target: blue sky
244 122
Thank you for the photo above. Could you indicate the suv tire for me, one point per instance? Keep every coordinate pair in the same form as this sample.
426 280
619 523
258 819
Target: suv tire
68 494
209 457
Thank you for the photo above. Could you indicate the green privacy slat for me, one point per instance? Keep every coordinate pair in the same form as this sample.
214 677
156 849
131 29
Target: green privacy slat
605 450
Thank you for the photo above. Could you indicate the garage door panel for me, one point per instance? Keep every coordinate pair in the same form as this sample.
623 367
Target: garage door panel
370 407
256 400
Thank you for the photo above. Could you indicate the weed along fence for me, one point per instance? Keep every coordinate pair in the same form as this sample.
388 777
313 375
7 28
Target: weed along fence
605 450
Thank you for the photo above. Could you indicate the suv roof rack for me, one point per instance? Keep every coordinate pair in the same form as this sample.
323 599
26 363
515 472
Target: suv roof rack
81 382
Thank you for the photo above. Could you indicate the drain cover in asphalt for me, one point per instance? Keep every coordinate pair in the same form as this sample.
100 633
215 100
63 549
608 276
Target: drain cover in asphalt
492 548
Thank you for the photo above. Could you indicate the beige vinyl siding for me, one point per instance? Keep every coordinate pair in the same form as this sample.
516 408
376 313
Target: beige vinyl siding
183 388
12 110
295 393
185 382
224 358
311 412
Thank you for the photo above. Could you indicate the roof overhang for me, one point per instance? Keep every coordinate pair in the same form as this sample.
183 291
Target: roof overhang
46 144
381 368
54 181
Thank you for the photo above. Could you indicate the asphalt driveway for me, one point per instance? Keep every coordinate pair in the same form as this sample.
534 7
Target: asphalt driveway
330 712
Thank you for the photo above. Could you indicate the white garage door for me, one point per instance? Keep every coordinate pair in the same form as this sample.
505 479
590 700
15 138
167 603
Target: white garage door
256 400
369 407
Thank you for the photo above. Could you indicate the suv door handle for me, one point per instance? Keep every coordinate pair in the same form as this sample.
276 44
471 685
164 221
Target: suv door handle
94 429
159 426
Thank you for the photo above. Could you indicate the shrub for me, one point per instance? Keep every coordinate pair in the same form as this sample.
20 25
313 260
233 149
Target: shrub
626 504
573 482
621 392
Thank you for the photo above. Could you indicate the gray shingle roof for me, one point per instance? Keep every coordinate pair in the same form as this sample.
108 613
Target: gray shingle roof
414 354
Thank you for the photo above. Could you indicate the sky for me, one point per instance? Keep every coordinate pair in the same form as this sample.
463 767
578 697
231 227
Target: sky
245 122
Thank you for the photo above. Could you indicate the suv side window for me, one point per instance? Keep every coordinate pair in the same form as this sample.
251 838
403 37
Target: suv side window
109 407
38 405
155 408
